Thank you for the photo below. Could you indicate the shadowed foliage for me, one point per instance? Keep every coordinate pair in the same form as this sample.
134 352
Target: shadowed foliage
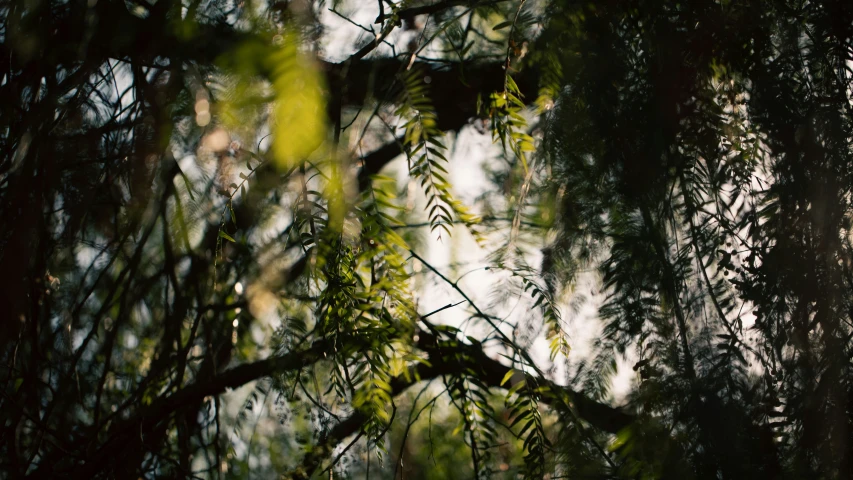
212 267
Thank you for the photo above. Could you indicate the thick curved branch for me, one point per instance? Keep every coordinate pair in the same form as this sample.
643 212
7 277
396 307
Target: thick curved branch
492 372
133 431
433 8
452 357
445 358
455 86
458 90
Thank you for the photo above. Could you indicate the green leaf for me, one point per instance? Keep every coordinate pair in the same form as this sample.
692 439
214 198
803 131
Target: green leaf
508 375
224 235
515 388
512 85
436 142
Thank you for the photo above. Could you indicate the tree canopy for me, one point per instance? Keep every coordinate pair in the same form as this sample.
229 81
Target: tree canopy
217 217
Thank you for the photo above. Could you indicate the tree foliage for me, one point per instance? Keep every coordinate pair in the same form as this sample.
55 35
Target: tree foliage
210 271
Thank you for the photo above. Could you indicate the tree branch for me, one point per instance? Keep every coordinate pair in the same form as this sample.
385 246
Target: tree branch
433 8
132 432
447 358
